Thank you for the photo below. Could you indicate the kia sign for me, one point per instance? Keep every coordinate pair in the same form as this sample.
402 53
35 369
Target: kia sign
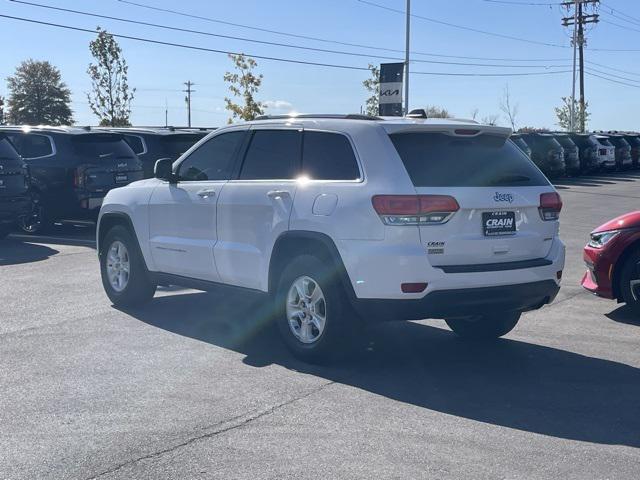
390 101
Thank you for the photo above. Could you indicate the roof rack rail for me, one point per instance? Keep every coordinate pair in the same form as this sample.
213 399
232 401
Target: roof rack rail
345 116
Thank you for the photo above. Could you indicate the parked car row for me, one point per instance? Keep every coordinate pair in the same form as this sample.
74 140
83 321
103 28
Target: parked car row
53 174
560 154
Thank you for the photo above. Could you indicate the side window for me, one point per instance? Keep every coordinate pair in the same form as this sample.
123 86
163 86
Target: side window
136 143
272 154
213 160
328 156
32 145
36 146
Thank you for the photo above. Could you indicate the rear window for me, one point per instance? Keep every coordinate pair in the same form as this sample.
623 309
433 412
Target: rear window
100 146
633 141
328 156
605 142
566 142
584 141
620 142
176 145
136 143
440 160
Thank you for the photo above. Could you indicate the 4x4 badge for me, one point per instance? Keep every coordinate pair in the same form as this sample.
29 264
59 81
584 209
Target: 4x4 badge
503 197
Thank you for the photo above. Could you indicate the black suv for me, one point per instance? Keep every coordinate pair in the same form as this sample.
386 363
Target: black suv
634 140
15 202
522 145
571 153
587 150
72 169
546 153
152 144
623 151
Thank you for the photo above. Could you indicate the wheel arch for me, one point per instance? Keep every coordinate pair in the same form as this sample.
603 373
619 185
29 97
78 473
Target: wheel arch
633 247
109 220
292 243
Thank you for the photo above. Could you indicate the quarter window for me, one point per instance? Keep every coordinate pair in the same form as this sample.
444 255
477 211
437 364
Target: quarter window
328 156
213 160
272 154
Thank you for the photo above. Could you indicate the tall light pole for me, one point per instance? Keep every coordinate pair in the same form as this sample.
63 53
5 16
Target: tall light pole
572 120
406 59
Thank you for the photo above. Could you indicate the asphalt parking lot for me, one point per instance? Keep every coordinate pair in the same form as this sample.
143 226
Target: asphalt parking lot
193 386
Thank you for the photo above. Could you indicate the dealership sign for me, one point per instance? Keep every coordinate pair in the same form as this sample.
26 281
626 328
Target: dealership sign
390 100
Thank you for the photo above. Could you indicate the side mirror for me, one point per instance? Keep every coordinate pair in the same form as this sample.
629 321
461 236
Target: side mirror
164 170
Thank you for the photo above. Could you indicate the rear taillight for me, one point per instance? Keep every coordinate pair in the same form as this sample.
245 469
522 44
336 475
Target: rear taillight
602 151
550 206
415 209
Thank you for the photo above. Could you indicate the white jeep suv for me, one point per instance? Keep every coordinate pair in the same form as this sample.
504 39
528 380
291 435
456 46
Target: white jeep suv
339 219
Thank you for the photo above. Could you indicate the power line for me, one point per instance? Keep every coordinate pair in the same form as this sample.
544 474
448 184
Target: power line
611 80
611 68
613 75
524 4
262 57
461 27
286 45
325 40
619 11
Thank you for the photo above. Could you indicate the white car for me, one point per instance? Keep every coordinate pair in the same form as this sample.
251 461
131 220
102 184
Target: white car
343 219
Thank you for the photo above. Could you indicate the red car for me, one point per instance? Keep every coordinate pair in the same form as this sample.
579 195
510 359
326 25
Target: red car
613 260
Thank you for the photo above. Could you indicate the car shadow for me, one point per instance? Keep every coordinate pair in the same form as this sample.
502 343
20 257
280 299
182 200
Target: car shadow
624 314
13 252
508 383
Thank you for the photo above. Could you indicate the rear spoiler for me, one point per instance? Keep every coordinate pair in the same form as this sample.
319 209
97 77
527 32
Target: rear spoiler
457 130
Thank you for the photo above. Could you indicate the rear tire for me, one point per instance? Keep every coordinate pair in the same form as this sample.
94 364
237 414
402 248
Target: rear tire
484 327
37 220
629 285
314 318
124 275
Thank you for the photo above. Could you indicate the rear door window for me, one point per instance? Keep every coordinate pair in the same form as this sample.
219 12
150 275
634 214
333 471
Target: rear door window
328 156
272 155
441 160
213 160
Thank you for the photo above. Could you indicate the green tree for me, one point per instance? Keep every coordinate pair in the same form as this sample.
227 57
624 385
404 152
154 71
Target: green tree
2 110
245 84
110 98
372 85
563 113
38 96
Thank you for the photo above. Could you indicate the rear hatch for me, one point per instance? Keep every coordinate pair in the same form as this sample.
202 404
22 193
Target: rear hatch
606 151
497 189
107 161
14 180
623 150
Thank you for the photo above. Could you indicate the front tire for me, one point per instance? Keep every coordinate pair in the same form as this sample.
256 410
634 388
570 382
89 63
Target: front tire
124 275
629 285
314 319
484 327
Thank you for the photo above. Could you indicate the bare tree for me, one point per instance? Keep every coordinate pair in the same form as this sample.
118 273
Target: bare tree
506 107
474 113
490 119
437 112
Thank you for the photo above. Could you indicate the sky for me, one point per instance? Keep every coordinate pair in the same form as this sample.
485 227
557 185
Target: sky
159 71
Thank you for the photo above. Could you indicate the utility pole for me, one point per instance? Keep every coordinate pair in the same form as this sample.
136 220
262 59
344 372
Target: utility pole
572 118
406 58
166 112
189 91
578 21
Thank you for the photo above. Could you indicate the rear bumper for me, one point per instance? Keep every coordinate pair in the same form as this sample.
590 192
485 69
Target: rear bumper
11 208
461 302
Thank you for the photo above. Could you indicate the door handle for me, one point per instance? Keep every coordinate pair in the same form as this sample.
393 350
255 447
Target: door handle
275 194
206 193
